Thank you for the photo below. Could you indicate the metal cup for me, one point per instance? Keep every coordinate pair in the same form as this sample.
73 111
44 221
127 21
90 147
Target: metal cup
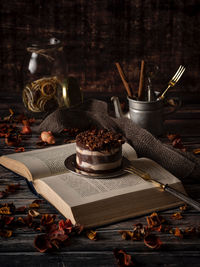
149 115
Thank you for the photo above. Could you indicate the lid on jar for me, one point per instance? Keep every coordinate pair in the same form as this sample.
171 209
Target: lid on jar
52 42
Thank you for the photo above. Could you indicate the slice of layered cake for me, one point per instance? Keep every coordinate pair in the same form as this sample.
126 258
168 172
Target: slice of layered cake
99 151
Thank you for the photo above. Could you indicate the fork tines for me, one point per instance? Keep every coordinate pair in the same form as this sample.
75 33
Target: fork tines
178 73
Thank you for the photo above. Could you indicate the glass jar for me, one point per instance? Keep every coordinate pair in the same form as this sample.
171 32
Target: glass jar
46 85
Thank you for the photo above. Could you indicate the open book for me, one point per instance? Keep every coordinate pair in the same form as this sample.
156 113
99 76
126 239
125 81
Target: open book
88 201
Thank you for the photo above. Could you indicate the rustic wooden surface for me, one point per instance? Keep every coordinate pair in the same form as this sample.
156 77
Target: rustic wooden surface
19 250
98 33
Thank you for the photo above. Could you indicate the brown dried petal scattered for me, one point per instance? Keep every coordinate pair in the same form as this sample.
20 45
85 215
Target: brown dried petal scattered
184 207
177 216
152 241
196 151
19 149
123 259
92 235
178 232
154 220
65 225
176 141
42 243
33 213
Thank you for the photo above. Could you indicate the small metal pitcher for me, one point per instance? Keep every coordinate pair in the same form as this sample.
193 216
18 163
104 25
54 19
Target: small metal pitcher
148 115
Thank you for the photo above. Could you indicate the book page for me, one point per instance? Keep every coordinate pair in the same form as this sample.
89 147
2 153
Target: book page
50 161
76 190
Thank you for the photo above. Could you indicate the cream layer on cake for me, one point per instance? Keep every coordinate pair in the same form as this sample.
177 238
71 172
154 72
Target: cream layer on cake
98 161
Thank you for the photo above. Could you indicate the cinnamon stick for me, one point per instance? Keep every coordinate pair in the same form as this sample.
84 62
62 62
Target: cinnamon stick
140 90
124 80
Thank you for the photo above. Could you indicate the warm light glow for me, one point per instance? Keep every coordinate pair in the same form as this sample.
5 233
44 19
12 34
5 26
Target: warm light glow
64 91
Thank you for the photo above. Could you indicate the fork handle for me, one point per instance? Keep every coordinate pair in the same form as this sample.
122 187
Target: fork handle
163 94
183 197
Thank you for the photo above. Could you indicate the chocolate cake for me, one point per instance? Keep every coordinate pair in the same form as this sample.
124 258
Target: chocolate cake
98 151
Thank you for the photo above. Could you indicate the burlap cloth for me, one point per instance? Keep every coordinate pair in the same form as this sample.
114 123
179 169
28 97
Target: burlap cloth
95 113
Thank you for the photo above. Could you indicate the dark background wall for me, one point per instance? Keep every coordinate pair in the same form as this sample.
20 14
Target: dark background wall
98 33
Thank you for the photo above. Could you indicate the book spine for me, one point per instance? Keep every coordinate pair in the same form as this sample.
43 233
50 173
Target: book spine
32 188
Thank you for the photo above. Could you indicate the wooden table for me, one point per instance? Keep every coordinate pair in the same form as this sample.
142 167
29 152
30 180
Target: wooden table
19 250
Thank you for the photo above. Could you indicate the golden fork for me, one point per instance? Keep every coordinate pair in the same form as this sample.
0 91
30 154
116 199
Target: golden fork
174 80
146 176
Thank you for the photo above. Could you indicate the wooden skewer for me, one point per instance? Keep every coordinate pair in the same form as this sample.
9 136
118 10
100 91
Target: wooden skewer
122 75
140 90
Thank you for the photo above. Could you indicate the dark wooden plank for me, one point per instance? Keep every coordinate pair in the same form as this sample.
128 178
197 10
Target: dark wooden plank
90 259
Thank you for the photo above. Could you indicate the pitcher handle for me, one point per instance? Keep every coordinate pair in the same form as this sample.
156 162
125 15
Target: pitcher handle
174 108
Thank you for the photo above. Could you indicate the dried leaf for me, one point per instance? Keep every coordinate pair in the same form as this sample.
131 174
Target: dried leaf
152 241
123 259
177 216
92 235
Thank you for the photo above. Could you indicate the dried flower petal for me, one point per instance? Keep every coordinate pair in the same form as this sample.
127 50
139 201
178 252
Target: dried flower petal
123 259
177 216
34 206
58 235
26 130
42 243
190 231
33 213
20 209
178 232
196 151
5 210
19 149
48 137
78 229
6 220
154 220
47 219
176 141
92 235
126 235
185 207
11 188
5 233
12 140
152 241
65 225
